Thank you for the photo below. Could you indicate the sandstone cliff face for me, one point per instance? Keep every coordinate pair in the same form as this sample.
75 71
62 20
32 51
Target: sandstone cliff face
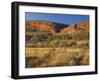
40 25
57 27
82 27
45 25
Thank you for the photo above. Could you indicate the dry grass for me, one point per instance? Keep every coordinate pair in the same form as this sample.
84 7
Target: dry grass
49 57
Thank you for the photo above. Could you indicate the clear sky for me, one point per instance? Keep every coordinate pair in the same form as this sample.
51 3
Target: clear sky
60 18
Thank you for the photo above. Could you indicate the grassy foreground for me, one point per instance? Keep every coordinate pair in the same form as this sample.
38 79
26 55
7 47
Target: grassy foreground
49 57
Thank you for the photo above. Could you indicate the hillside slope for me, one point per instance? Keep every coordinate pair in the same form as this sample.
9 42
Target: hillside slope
45 25
82 27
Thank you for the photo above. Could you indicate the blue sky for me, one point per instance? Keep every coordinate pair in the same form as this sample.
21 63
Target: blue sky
60 18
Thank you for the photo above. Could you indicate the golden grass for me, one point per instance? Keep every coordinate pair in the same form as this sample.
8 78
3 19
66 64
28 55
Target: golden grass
52 57
58 43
